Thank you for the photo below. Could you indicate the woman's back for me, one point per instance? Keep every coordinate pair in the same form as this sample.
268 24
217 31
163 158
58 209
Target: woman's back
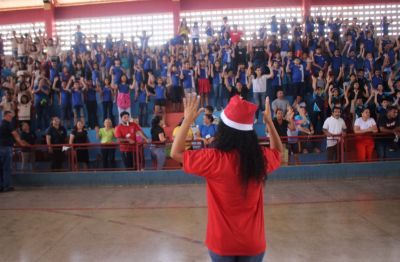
235 216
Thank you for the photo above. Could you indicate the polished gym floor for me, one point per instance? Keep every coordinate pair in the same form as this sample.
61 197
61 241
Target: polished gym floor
341 220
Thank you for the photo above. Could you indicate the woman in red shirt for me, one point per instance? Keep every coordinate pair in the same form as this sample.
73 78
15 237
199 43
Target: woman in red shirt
235 229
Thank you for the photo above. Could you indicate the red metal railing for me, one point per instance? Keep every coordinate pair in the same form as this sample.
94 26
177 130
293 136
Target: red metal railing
141 153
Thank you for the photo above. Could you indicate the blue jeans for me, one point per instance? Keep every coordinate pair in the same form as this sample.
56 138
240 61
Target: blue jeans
108 111
108 157
259 99
218 258
5 166
143 114
159 154
382 147
219 96
42 116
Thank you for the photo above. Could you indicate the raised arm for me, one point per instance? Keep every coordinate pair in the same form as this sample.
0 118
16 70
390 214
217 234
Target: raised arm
275 141
191 112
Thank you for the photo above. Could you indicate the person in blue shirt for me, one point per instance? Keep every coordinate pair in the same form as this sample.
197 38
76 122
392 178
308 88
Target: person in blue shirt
319 61
274 26
285 46
283 29
64 101
160 98
144 40
42 100
369 42
139 73
142 98
116 72
187 77
334 26
321 26
77 98
262 32
336 63
297 71
176 88
163 67
276 81
207 130
217 81
385 25
309 25
107 97
202 74
209 30
377 79
91 102
109 62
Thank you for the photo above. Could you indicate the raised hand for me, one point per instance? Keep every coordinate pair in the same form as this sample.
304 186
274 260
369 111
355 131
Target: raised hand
290 112
191 104
267 112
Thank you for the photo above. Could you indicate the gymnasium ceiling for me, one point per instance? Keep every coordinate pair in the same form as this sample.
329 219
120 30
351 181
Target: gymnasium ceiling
26 4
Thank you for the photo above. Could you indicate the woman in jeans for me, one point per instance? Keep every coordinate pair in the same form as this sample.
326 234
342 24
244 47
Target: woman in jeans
259 84
158 135
106 135
216 75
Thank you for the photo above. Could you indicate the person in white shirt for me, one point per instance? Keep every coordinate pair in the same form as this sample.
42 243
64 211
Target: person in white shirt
333 127
364 127
259 84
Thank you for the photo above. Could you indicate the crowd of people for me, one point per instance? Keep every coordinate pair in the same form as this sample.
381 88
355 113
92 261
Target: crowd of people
326 76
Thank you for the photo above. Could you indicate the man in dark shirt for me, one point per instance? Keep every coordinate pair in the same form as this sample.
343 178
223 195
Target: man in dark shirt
8 135
55 135
28 155
388 124
240 54
238 89
282 123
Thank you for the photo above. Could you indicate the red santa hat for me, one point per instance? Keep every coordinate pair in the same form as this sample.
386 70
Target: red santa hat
239 114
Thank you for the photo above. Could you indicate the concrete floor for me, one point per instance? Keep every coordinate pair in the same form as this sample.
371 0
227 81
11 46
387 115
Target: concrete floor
346 220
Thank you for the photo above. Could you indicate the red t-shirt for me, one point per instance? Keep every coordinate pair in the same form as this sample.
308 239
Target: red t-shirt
235 222
129 131
235 36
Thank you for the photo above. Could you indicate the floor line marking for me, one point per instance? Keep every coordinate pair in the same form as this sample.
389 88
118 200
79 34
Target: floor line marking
191 207
148 229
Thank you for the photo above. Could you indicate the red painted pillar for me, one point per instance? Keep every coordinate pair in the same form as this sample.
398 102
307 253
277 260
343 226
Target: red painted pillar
306 5
49 18
176 10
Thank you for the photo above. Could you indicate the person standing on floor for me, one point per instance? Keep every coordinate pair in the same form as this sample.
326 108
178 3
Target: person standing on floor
126 135
106 135
8 135
235 172
333 127
364 127
56 134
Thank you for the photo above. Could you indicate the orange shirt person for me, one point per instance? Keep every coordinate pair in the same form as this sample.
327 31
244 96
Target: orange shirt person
235 172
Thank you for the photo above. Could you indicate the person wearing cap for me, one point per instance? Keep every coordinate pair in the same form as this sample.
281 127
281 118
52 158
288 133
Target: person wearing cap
235 172
126 132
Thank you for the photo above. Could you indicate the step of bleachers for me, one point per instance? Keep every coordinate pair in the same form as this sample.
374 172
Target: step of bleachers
172 121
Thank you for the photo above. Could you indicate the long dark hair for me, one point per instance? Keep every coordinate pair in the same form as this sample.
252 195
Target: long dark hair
252 163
